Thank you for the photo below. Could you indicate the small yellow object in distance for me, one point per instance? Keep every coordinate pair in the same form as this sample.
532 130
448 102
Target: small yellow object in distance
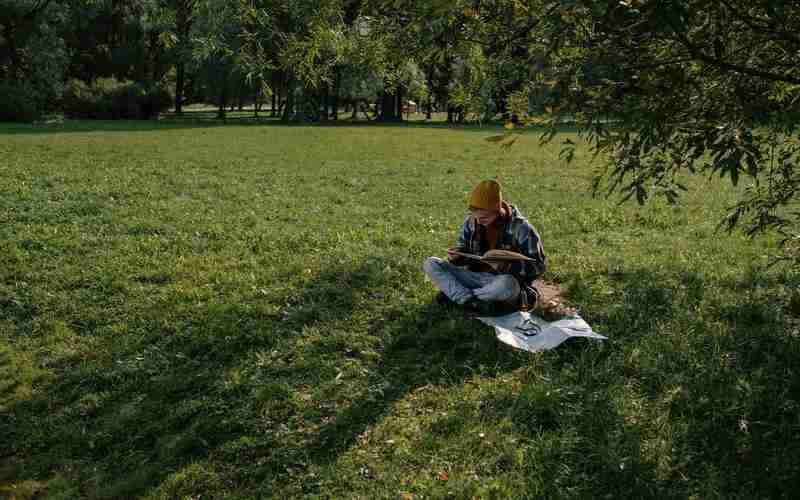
509 125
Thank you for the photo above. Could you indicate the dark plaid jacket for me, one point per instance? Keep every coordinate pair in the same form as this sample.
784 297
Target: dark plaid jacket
518 235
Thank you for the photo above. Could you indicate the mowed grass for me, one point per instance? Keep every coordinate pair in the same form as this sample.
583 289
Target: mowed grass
240 311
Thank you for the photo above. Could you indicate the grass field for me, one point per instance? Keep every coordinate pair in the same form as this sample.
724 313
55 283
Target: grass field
203 311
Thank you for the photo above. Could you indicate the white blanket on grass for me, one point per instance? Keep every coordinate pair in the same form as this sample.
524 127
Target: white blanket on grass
532 333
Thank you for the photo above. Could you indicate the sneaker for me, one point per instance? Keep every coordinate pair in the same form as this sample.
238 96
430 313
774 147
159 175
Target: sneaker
503 308
529 298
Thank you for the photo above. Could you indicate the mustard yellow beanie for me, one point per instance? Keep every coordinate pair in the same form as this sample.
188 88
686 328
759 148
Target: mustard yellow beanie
486 195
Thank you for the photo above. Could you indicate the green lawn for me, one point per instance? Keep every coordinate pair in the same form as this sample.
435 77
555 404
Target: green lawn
199 311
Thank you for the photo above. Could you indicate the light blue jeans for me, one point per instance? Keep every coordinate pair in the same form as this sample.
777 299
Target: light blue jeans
461 285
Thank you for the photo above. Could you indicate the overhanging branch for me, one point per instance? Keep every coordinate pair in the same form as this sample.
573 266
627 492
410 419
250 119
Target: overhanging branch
700 55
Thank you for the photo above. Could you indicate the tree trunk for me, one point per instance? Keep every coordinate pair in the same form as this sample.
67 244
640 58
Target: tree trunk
188 85
324 98
183 25
256 102
388 104
223 99
287 111
399 100
429 84
221 109
367 110
180 68
335 100
275 92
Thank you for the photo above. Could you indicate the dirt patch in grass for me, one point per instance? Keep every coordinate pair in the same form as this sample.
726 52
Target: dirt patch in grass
553 303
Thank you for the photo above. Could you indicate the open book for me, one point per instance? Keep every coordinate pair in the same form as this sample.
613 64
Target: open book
492 256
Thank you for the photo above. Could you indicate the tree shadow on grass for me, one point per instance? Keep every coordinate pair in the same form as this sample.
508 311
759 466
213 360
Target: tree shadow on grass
415 346
426 346
671 406
422 345
745 406
183 385
579 444
715 359
116 423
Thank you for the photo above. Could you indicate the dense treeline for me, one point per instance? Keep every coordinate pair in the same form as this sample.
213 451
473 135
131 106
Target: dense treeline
303 59
658 87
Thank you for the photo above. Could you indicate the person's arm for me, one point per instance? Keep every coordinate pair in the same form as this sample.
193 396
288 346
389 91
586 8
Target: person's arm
529 244
462 245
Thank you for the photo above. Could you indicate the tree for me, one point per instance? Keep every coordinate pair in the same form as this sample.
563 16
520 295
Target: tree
216 45
21 21
177 18
293 48
33 57
666 87
662 88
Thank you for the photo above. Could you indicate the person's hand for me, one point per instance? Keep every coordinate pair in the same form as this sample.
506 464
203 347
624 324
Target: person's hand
451 256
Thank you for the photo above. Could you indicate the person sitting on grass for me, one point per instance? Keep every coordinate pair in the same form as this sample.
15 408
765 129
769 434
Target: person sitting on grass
480 287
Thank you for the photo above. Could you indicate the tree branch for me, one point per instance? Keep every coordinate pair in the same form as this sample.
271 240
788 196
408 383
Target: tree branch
697 53
37 9
764 28
657 64
746 70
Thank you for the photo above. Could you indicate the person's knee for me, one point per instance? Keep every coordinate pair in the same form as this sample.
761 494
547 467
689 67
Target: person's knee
501 288
430 264
508 286
507 281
